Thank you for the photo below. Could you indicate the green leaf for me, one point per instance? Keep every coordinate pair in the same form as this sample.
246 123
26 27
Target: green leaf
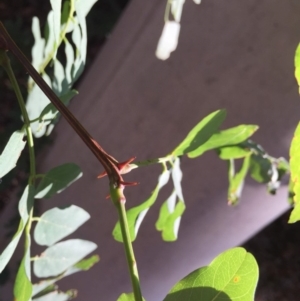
233 152
233 275
25 206
297 65
236 180
168 221
57 223
47 285
295 173
86 264
57 179
136 214
227 137
11 153
61 256
127 297
260 168
23 285
200 133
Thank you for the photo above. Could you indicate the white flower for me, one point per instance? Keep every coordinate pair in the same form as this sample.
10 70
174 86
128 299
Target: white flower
168 40
197 1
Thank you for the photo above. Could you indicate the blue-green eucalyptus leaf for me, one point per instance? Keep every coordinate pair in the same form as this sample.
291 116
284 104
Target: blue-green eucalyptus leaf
37 51
61 256
83 265
57 179
34 107
25 206
11 152
56 8
227 137
136 215
200 133
56 223
233 275
69 61
51 46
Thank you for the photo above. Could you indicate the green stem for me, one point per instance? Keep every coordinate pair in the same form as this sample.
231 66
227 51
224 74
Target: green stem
168 158
119 200
5 62
132 265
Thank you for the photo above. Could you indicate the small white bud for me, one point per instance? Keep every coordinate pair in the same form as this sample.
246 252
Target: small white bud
168 40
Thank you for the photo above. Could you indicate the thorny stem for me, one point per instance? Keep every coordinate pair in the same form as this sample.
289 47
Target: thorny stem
109 163
119 201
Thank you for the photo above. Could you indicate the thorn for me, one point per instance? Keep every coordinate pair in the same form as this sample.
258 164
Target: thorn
103 174
129 183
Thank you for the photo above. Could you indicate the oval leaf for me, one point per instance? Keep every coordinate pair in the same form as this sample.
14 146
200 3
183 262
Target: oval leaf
56 259
56 224
230 136
57 179
297 65
233 152
233 275
11 153
295 174
23 285
200 133
25 206
236 180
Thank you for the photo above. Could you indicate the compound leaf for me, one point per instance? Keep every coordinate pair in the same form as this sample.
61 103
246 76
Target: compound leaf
57 223
61 256
227 137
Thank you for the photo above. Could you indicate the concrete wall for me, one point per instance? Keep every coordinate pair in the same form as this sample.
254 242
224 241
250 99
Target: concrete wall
232 54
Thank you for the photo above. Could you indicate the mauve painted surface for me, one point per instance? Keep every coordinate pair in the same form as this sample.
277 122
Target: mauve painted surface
232 54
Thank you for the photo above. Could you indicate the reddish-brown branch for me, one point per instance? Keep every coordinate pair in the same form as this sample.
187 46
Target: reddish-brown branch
108 162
